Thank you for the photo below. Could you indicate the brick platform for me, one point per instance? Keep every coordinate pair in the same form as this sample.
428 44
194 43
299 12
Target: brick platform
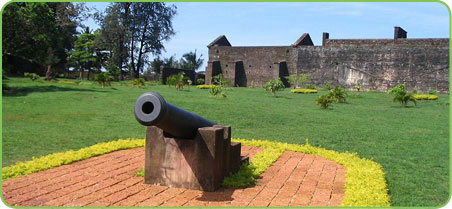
295 179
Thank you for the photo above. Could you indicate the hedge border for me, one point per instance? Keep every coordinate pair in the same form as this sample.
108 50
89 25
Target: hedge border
365 179
304 91
425 97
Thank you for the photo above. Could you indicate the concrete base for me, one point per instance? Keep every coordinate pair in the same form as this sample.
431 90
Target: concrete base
200 163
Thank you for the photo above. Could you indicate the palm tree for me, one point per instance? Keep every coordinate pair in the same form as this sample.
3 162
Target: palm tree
191 61
401 95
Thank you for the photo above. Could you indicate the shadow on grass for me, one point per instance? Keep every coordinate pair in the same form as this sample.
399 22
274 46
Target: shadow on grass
23 91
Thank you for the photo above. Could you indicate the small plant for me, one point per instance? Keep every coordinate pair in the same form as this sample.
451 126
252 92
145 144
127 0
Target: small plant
326 87
103 79
220 80
274 85
432 92
414 91
179 81
139 82
310 86
217 91
298 80
200 81
32 76
338 94
252 86
324 101
401 95
358 87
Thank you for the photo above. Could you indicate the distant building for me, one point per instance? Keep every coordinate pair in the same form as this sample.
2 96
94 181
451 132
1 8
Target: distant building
376 64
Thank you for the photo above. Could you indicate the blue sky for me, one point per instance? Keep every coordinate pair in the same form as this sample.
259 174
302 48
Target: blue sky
273 24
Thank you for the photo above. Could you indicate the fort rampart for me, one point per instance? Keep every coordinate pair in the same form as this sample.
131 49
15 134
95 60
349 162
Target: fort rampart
376 64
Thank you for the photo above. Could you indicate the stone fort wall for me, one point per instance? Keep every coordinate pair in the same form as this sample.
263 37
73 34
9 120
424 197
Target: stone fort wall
377 64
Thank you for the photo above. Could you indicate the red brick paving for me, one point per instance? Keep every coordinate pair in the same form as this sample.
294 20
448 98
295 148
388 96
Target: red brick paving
295 179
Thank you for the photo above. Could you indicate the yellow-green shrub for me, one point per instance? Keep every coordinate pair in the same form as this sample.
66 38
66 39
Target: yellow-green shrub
365 179
204 86
66 82
425 97
304 91
62 158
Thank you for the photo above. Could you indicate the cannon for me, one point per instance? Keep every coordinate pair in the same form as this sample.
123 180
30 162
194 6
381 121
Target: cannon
184 149
151 109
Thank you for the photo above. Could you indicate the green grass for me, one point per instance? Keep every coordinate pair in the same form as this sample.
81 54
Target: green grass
412 144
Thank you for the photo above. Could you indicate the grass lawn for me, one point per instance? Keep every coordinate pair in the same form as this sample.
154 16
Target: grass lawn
412 144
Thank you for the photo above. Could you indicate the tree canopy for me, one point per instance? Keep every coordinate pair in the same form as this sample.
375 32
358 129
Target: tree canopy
42 38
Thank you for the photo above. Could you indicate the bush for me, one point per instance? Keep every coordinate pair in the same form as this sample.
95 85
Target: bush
304 91
66 82
358 86
204 86
425 97
217 91
200 81
402 96
32 76
139 82
179 81
298 80
324 101
274 85
326 87
432 92
103 79
338 94
220 80
310 86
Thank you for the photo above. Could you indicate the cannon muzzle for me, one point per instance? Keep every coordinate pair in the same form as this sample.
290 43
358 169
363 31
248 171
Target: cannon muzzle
151 109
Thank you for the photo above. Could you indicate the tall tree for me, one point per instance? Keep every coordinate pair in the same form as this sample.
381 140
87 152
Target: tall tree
140 28
50 30
191 61
84 56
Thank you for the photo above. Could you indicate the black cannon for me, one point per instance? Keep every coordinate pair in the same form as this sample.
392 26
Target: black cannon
151 109
170 160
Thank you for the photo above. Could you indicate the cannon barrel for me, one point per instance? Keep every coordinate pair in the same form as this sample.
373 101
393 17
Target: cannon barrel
151 109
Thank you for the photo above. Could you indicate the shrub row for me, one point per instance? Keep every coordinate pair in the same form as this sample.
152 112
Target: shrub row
204 86
425 97
63 158
304 91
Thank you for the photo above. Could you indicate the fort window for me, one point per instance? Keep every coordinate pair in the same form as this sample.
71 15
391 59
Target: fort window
226 65
287 51
270 66
249 65
217 51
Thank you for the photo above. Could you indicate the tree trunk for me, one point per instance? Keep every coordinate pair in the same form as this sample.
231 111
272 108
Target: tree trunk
81 74
49 72
140 53
87 77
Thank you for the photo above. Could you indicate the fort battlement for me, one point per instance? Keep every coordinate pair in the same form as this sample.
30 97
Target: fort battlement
376 64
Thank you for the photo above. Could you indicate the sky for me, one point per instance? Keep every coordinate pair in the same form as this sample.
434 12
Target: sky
282 23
